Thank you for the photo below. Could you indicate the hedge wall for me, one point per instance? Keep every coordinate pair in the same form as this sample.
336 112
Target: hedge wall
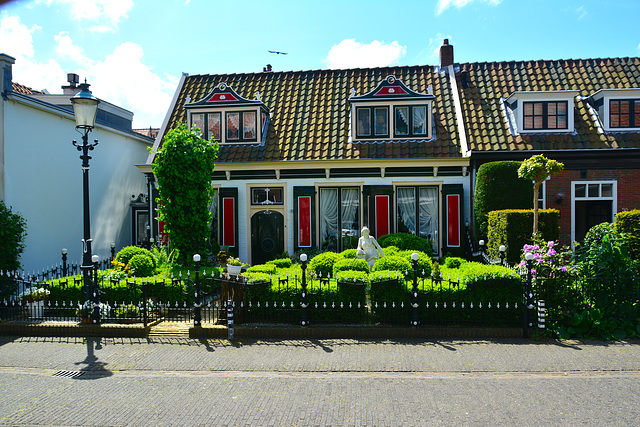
628 222
498 187
513 228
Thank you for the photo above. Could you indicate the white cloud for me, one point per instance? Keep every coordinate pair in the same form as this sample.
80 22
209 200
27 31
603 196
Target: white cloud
352 54
443 5
581 12
105 13
65 48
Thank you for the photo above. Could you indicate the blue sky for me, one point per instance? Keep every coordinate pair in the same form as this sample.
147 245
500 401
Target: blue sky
134 51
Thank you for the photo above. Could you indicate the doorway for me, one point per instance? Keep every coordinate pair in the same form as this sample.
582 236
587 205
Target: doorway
267 236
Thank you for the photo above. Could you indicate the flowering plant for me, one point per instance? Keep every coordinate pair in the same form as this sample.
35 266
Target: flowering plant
549 259
35 294
235 261
85 310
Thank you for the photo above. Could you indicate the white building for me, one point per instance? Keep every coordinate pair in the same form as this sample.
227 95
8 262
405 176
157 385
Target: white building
41 175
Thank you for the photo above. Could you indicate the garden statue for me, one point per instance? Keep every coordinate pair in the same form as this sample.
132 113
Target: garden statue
368 248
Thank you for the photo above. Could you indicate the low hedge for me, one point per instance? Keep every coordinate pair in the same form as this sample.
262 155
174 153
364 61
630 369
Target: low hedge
350 265
406 241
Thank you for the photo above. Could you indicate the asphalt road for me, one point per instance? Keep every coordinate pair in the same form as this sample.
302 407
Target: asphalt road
117 381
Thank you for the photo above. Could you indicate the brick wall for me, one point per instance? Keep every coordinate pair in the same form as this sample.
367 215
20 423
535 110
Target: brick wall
628 192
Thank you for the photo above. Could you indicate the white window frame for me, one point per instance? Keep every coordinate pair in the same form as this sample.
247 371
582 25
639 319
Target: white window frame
223 121
391 106
520 98
613 198
607 111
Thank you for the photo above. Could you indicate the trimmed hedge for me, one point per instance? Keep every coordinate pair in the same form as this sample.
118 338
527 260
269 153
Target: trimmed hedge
350 265
397 263
281 262
513 228
628 224
498 187
406 241
125 254
141 265
323 264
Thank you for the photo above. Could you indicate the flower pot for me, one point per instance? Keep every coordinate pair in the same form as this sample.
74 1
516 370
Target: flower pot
233 270
36 309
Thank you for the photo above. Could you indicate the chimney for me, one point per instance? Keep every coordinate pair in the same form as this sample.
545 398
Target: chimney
446 54
6 67
267 69
73 88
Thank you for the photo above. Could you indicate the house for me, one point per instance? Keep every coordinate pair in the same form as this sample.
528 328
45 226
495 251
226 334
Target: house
308 158
41 175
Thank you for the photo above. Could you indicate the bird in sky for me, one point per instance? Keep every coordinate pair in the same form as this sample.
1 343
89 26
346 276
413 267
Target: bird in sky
278 53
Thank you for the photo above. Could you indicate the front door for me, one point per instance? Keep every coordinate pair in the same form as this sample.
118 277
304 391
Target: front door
267 236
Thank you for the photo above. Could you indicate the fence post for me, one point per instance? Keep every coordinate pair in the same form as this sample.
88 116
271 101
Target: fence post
542 312
96 290
528 305
304 303
230 323
145 316
197 315
414 292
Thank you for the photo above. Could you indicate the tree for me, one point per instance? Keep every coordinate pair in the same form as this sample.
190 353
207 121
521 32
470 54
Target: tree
13 231
183 167
538 168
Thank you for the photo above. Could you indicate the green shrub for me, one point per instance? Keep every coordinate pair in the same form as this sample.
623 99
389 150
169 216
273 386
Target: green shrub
322 264
391 251
127 311
263 268
454 262
125 254
281 262
628 225
498 187
603 253
383 275
512 228
349 253
392 263
350 265
13 231
141 266
406 241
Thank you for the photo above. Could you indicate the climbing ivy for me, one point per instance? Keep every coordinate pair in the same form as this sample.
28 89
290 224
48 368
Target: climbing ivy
183 167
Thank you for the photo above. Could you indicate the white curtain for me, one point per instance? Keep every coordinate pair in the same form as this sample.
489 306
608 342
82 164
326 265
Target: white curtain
407 207
350 209
329 219
429 214
213 222
419 120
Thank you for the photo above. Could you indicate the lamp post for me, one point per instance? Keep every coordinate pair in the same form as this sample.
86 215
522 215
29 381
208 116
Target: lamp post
64 262
85 108
503 250
113 251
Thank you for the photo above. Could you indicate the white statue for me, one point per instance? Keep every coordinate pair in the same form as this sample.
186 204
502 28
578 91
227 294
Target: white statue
368 248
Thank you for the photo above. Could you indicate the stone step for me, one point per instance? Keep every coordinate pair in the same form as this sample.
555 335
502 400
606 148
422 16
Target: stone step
166 329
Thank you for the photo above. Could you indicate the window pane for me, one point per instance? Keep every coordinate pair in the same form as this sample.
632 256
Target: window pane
537 108
266 196
428 197
350 214
537 122
624 107
562 108
551 109
551 122
615 107
402 121
420 120
197 120
214 126
364 121
607 190
329 219
581 190
528 122
562 122
594 190
233 122
249 125
381 126
528 109
624 120
406 207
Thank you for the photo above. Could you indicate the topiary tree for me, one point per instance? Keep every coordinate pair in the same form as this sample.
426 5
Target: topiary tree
406 241
498 187
13 231
125 255
322 264
537 169
183 168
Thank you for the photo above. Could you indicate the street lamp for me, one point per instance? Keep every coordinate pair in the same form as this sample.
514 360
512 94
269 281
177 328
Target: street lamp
85 108
503 250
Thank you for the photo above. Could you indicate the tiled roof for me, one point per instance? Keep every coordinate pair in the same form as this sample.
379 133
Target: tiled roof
489 82
150 132
310 113
17 87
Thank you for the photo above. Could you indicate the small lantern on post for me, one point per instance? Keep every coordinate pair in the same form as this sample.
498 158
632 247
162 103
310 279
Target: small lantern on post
503 250
414 291
528 306
197 314
304 297
64 262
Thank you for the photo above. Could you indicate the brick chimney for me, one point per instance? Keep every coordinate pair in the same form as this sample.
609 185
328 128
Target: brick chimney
446 54
73 87
6 74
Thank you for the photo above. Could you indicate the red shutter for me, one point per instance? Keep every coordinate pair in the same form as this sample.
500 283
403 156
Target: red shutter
382 216
453 220
229 226
304 221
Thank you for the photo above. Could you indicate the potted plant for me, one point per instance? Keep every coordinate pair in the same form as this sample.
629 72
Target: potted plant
85 311
234 266
35 299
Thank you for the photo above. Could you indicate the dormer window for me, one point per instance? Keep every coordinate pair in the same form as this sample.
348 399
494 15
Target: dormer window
391 111
617 109
228 118
541 112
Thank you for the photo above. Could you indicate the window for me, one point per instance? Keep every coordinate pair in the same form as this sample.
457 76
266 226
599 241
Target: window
594 203
266 196
379 116
624 113
417 209
339 218
545 115
240 126
410 120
